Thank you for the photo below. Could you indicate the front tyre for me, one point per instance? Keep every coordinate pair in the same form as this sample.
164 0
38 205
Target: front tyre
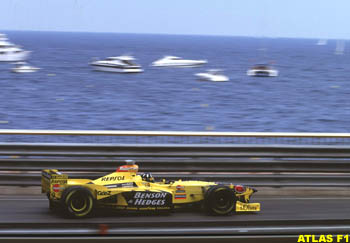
220 200
78 202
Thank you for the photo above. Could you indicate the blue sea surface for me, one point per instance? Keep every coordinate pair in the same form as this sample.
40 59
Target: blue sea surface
311 93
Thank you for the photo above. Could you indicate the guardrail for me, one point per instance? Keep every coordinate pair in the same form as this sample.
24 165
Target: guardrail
155 239
251 231
256 165
172 137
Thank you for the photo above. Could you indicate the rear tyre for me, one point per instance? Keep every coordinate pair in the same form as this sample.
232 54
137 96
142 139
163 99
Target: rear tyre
220 200
78 202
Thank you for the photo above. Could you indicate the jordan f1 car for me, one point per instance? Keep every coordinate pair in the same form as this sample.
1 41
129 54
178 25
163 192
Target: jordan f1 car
125 189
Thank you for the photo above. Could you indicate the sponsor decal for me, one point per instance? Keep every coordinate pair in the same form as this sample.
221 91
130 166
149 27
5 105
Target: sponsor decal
58 176
247 207
150 195
104 193
147 208
147 199
128 184
125 185
113 178
180 189
61 182
180 196
145 202
57 187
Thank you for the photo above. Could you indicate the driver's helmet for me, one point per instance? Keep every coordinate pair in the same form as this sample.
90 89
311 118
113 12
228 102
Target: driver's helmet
147 177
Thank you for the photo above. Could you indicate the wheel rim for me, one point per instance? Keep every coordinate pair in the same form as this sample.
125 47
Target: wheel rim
78 202
222 200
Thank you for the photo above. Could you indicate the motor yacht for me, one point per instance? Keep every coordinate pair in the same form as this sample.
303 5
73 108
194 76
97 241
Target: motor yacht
262 70
120 64
10 52
214 75
322 42
173 61
23 67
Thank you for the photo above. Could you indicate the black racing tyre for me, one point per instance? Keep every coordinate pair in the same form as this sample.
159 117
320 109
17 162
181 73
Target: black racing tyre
77 202
220 200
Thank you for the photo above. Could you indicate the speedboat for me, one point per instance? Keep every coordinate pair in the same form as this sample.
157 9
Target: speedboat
173 61
262 70
214 75
10 52
120 64
322 42
23 67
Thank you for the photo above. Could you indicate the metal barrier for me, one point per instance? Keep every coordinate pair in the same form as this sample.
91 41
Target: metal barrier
257 165
183 227
172 137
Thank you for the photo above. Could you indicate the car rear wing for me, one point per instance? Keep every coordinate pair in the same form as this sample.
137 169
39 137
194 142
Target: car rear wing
52 181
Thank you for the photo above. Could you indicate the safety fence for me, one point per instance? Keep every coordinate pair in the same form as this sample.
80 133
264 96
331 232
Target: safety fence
184 231
171 137
257 165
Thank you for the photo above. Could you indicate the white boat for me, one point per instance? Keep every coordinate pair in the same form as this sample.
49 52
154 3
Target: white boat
23 67
340 47
262 70
173 61
322 42
10 52
214 75
120 64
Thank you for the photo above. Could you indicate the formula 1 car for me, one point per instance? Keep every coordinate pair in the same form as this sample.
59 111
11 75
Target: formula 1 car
126 190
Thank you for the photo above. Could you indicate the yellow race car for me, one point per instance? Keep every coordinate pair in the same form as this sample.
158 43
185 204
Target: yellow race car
125 189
